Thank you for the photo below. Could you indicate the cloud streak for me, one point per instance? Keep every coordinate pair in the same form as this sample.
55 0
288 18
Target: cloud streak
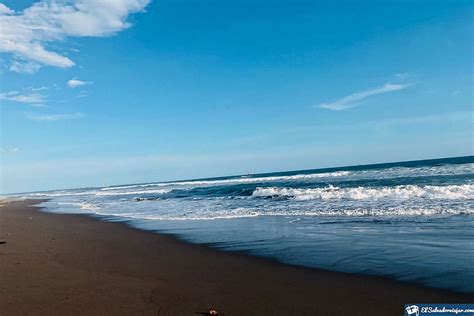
73 83
33 98
26 35
357 98
54 117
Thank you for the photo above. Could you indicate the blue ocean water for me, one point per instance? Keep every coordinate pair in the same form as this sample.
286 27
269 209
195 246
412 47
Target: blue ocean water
410 221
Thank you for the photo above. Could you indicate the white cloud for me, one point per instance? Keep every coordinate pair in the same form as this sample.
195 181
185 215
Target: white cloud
32 98
73 83
54 117
26 34
358 98
40 88
5 10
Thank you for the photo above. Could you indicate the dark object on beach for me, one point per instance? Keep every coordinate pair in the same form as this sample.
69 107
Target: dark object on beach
3 242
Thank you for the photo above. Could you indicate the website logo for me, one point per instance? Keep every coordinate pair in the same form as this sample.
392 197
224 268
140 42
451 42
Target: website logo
439 309
412 310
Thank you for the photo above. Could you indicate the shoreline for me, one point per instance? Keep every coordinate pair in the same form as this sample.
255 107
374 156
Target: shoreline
244 253
76 264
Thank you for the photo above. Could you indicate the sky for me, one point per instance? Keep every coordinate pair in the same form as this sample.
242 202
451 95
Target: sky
99 92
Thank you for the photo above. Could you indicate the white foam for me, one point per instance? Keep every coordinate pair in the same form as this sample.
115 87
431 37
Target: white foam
133 186
450 192
59 194
384 173
397 201
386 212
113 193
213 211
235 180
86 206
247 213
265 179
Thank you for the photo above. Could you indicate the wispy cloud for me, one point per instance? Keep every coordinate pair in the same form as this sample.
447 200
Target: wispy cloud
26 67
54 117
26 35
82 94
73 83
42 88
29 97
358 98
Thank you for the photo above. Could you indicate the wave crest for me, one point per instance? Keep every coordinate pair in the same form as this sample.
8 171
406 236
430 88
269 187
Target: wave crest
450 192
241 180
113 193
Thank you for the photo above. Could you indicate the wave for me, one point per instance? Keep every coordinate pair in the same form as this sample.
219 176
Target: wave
266 179
98 193
58 194
242 179
377 212
109 193
85 206
391 212
132 186
384 173
450 192
128 211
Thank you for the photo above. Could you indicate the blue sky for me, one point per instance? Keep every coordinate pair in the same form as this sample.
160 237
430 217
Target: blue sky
96 93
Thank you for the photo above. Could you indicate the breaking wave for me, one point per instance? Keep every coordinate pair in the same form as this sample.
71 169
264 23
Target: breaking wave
241 180
394 172
450 192
219 213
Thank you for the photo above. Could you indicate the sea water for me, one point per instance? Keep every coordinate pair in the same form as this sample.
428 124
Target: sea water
410 221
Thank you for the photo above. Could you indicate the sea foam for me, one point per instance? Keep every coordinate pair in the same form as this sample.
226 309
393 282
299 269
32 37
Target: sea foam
465 191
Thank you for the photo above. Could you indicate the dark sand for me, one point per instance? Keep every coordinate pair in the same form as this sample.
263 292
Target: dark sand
71 264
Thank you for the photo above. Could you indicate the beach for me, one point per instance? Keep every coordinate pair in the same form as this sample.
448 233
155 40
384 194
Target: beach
67 264
407 221
236 157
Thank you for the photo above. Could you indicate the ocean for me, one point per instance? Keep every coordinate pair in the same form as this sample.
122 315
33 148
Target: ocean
409 221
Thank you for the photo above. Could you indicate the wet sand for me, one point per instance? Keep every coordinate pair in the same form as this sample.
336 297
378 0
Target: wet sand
53 264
